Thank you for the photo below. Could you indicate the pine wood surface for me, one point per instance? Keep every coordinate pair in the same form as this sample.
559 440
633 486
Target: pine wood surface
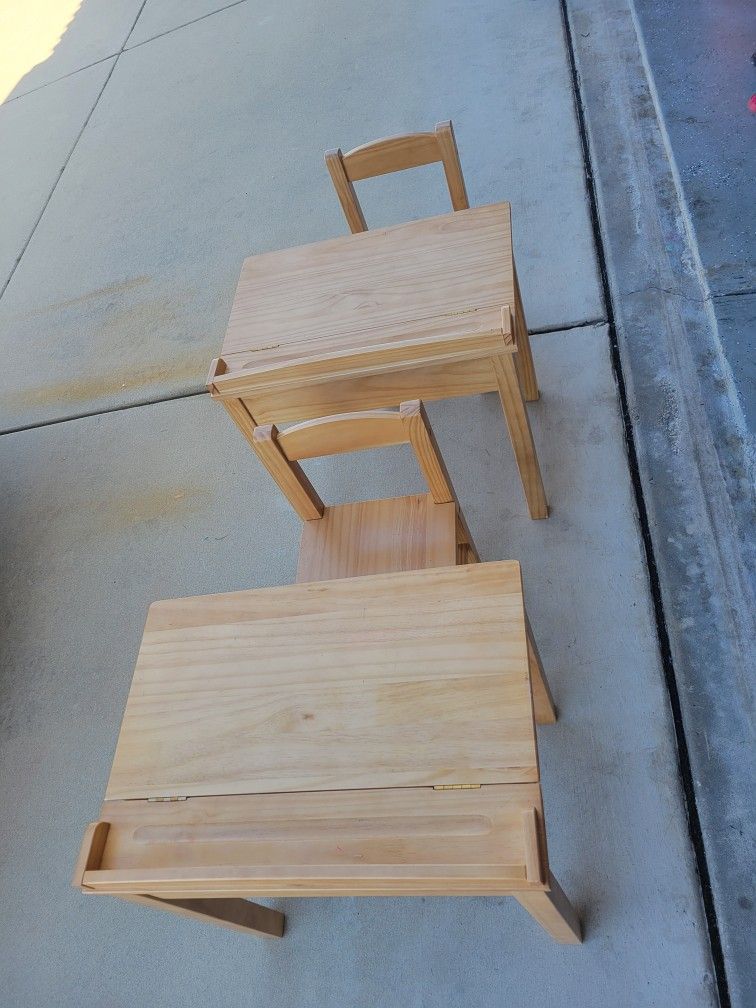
351 292
377 537
415 678
399 840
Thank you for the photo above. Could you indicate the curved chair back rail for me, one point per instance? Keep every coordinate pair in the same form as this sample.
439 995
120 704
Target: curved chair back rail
347 432
393 154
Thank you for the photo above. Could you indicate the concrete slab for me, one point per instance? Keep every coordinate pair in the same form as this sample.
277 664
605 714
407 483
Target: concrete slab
207 145
695 466
100 516
703 77
161 16
43 40
37 133
736 317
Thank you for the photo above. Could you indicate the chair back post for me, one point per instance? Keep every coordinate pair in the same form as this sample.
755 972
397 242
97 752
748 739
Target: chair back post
393 154
420 435
279 451
334 160
423 440
452 167
290 477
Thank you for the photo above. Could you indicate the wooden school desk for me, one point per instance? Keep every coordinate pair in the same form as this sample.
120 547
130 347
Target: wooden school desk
359 737
424 310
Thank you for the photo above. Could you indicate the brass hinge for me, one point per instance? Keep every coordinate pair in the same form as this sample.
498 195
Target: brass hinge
455 787
172 798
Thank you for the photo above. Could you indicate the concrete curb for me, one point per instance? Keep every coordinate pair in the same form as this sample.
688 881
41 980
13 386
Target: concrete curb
688 438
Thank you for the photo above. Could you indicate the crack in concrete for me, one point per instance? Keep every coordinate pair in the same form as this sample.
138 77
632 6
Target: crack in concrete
79 135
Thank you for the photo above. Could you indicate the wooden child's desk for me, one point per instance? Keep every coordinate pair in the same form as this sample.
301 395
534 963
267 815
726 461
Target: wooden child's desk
425 310
365 736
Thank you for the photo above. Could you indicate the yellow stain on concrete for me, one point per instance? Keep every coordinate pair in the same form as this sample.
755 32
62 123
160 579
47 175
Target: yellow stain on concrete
87 390
159 505
29 32
110 290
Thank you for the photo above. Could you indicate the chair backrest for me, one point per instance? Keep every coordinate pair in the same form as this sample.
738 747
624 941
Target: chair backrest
280 451
395 154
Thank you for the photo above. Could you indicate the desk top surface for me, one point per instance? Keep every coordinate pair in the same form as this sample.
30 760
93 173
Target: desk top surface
393 680
347 293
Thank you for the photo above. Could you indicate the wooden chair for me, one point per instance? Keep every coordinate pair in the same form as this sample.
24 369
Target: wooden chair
378 536
411 150
380 157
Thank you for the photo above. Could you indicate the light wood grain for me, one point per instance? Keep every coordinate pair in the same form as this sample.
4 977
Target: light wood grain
91 851
344 432
452 168
417 678
233 914
350 288
553 912
521 435
399 347
394 154
465 540
420 435
334 160
543 702
376 537
427 309
524 358
385 841
290 477
534 860
240 414
427 382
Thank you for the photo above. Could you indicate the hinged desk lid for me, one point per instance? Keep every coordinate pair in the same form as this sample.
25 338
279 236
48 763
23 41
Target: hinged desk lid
393 680
347 291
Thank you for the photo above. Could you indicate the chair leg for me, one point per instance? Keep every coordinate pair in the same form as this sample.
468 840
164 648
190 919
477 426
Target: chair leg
235 914
553 911
543 703
465 544
520 433
525 365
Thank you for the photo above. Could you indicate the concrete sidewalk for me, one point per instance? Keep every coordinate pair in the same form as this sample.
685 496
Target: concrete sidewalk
207 145
105 514
157 145
668 265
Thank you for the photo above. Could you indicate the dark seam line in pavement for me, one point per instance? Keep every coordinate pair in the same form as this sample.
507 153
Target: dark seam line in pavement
665 651
201 391
687 297
186 24
735 293
124 48
104 412
198 392
544 330
65 76
70 153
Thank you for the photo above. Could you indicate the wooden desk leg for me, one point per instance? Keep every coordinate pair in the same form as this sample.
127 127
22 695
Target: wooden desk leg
235 914
525 365
520 433
241 417
543 702
553 911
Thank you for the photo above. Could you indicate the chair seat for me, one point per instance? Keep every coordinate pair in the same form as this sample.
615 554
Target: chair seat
378 537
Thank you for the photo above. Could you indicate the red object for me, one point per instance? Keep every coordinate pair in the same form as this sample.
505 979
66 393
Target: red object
752 103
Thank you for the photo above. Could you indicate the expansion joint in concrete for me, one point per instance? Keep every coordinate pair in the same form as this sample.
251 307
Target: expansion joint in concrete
70 153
